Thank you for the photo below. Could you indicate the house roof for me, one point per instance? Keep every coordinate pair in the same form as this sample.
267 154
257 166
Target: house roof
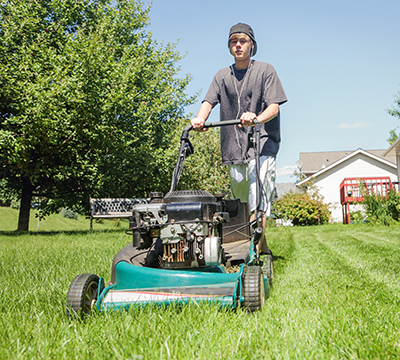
394 149
315 161
284 188
374 154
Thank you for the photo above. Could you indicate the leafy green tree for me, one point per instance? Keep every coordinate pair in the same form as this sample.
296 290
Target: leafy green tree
393 136
394 111
88 101
204 169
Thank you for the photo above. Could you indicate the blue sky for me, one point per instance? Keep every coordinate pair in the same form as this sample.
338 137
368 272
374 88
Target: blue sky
339 63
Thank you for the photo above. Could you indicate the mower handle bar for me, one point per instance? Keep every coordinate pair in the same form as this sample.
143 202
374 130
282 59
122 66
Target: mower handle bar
221 123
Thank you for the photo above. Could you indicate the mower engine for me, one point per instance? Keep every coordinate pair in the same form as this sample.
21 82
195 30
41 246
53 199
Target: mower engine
184 227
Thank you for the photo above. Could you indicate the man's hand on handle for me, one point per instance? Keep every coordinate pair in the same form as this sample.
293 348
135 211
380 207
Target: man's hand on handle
198 124
247 119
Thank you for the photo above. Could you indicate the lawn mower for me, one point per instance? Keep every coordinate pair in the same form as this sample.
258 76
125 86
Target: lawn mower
186 246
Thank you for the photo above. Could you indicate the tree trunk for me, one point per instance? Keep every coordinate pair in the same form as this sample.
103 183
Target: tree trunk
25 208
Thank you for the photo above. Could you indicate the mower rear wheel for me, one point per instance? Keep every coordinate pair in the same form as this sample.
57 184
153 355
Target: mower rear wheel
268 268
253 288
82 295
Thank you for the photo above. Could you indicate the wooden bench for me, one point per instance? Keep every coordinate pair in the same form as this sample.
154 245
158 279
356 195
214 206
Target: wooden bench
112 208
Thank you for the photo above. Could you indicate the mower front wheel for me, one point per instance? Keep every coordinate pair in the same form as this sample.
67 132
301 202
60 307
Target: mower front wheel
82 295
253 288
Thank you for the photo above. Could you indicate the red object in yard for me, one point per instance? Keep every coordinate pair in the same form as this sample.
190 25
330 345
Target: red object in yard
350 191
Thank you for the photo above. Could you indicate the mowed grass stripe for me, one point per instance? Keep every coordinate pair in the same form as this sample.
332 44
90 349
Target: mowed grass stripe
337 301
379 263
389 238
376 238
300 299
371 311
282 245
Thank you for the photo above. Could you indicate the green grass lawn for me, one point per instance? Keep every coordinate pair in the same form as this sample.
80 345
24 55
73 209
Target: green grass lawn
336 296
55 222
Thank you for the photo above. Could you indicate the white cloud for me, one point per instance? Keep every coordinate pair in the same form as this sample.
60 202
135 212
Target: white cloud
351 126
286 170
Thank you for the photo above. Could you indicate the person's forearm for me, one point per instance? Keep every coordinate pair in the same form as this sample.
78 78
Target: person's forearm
204 111
269 113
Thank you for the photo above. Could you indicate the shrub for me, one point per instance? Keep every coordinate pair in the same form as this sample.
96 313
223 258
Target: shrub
69 213
357 217
381 210
302 209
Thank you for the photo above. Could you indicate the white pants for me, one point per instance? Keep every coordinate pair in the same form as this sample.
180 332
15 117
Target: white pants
243 182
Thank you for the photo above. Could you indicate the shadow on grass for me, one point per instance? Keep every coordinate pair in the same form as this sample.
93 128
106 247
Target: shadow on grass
16 233
277 257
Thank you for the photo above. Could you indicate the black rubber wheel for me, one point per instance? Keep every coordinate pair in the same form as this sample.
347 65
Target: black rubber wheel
253 288
268 268
82 295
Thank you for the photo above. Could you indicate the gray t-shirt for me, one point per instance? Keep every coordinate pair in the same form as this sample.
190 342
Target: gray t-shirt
258 88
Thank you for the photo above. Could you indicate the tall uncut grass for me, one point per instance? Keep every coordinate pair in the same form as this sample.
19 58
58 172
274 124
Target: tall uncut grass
336 295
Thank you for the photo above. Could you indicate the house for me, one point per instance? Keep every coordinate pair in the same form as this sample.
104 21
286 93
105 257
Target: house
394 151
284 188
328 169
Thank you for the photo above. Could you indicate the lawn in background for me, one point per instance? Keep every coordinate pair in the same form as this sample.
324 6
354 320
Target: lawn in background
55 222
336 295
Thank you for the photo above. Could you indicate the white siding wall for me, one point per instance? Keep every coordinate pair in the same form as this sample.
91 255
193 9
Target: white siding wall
357 166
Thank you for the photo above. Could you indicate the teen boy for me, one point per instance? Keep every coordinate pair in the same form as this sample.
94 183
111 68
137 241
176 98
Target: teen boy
247 90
